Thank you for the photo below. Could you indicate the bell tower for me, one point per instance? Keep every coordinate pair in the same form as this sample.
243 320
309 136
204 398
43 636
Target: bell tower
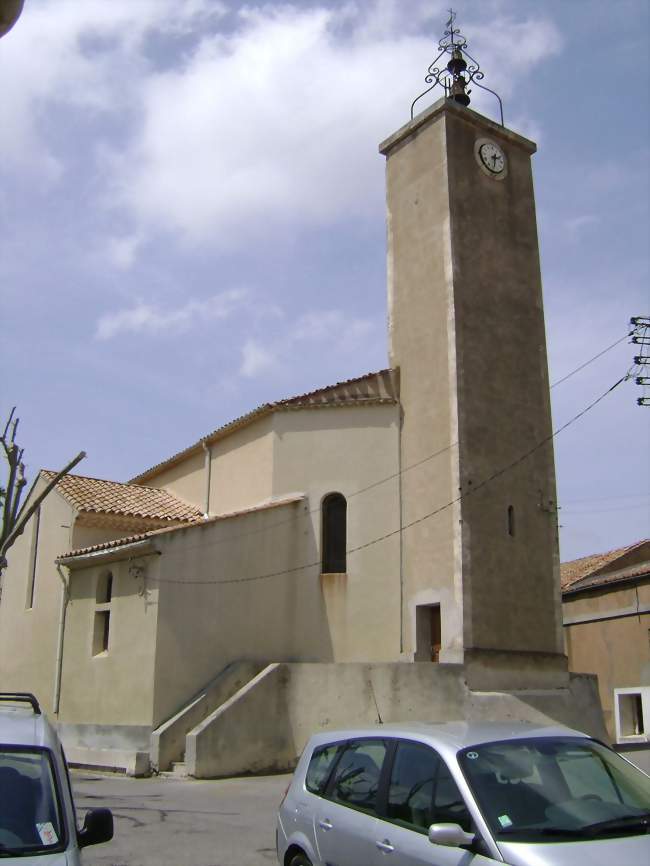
466 330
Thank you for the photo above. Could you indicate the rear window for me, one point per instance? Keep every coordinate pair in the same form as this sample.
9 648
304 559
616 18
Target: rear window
355 781
320 765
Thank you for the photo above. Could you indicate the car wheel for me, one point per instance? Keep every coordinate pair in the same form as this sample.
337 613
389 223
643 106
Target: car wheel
300 860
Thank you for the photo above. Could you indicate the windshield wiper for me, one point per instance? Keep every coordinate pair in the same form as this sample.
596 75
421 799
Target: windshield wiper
544 831
627 823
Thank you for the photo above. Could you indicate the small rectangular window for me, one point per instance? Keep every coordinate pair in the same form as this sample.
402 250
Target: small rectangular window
101 632
632 713
631 710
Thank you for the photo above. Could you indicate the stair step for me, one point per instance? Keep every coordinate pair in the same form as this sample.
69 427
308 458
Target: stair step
179 768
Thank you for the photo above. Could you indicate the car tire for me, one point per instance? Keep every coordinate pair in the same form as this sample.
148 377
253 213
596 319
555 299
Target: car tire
300 860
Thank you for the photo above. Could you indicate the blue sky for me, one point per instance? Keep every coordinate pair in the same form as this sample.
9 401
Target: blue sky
192 217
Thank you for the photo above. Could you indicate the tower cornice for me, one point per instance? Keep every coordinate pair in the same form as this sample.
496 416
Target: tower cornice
446 106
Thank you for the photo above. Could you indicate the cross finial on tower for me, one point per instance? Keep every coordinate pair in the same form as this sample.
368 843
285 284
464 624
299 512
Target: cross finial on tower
455 77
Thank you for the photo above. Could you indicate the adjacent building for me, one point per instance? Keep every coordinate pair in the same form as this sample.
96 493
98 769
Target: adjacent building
606 605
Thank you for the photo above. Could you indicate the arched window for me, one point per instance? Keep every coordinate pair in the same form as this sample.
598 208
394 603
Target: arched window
334 511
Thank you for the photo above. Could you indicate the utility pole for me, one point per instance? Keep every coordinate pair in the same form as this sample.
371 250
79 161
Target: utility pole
641 337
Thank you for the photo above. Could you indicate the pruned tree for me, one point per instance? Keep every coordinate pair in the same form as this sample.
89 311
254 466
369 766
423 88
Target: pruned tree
14 519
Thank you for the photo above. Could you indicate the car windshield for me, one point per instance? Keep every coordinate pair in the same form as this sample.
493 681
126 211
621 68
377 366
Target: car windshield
30 821
556 789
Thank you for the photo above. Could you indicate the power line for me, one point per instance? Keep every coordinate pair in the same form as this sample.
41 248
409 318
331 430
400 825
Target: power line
412 523
595 357
394 475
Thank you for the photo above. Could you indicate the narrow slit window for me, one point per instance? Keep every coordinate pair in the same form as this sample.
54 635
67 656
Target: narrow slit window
33 559
101 632
102 620
511 520
334 513
104 588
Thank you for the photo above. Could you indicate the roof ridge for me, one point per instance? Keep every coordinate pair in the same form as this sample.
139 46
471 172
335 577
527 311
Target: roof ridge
111 481
615 550
261 410
594 564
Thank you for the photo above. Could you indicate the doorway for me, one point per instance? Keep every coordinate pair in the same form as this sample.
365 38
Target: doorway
428 633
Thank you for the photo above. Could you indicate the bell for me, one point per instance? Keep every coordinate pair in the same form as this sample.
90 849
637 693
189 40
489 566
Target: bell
457 92
457 63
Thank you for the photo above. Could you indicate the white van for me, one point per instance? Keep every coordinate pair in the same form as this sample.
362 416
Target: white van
37 816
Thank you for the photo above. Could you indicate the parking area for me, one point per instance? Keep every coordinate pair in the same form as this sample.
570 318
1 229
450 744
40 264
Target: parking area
165 821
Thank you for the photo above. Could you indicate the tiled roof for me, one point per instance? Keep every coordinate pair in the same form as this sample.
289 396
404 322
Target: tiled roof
97 496
143 536
373 388
593 566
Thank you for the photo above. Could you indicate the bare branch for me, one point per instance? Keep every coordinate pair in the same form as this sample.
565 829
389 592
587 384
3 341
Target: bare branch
14 519
19 527
4 435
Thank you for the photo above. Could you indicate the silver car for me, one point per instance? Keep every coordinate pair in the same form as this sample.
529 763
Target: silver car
463 794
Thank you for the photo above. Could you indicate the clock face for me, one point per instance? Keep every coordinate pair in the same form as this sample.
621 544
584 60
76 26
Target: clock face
491 158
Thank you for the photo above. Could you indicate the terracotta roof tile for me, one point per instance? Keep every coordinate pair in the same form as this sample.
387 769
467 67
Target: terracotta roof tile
578 569
372 388
595 581
97 496
143 536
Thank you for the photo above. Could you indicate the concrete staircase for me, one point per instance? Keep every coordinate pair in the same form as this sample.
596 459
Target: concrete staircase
168 741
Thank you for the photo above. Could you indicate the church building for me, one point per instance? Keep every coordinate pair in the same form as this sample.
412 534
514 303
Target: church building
380 549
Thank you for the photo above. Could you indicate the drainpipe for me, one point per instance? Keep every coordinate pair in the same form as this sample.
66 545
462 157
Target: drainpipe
208 470
65 597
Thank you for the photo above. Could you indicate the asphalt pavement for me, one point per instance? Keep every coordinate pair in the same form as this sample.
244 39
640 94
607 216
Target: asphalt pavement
167 821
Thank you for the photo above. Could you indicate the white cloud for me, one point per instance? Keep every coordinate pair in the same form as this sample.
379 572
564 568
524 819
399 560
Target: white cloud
282 119
577 224
91 55
274 120
341 333
122 251
150 319
256 360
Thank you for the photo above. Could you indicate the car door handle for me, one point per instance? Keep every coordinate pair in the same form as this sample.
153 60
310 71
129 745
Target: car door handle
325 825
385 846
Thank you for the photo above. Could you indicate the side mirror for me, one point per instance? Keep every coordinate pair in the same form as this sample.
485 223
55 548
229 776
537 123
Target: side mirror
451 835
98 827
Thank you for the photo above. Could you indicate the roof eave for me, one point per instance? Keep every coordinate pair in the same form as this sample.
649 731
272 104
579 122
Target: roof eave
111 554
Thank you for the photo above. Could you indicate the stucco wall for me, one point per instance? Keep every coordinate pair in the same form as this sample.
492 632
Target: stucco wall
241 468
421 345
235 589
617 648
503 400
185 479
113 688
28 636
349 450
